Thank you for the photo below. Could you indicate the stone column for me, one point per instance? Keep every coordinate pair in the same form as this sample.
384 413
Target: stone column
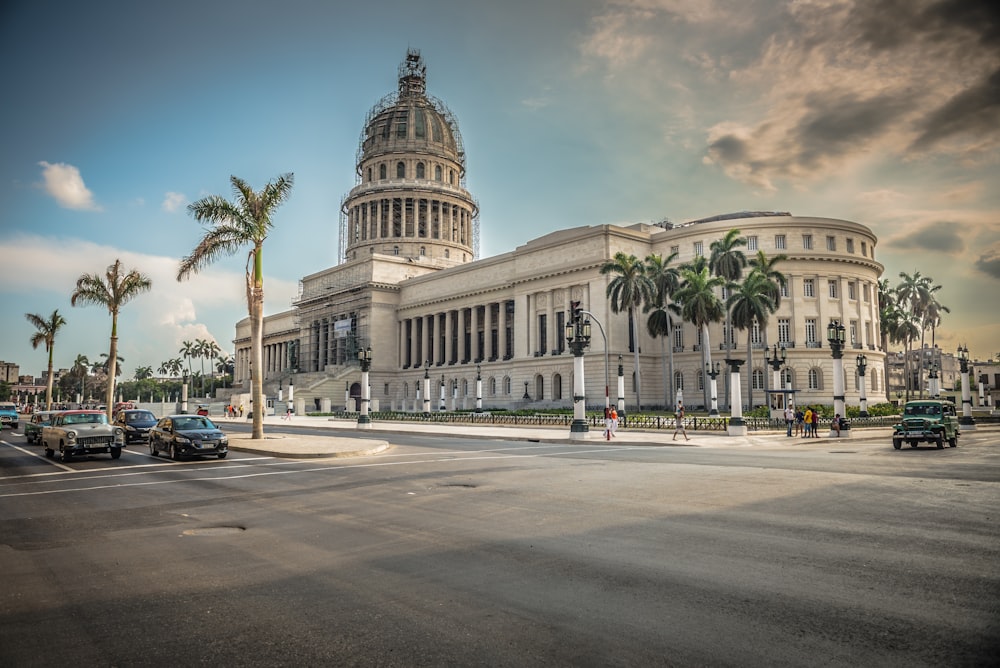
463 353
449 330
502 330
487 326
476 354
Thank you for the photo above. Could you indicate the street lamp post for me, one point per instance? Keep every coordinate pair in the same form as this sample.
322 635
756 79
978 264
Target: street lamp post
966 422
578 338
713 373
621 386
427 388
443 408
776 362
835 336
607 396
934 381
736 425
479 389
862 362
365 358
982 388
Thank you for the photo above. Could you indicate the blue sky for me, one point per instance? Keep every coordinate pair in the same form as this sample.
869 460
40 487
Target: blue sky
573 112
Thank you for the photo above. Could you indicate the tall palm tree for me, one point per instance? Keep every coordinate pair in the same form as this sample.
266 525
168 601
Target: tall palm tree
143 372
225 366
201 352
112 291
659 324
751 303
80 368
187 351
777 281
628 291
700 305
727 261
913 291
212 351
246 221
47 328
888 319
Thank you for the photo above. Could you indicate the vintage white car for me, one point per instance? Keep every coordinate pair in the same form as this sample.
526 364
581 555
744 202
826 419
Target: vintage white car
77 433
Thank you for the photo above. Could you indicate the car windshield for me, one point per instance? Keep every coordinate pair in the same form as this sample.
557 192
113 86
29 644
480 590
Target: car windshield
923 410
189 423
139 416
86 418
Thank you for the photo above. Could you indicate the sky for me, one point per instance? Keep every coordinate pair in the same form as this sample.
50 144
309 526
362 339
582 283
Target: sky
117 115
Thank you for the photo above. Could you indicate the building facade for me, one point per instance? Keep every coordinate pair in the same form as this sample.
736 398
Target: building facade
410 286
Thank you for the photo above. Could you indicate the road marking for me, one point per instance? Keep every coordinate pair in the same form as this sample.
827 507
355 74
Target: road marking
38 456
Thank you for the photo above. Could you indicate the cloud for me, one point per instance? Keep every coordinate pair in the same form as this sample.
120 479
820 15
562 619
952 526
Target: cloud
173 201
65 184
943 237
989 262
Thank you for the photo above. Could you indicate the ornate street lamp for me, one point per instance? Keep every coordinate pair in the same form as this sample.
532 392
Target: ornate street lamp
836 337
365 358
966 421
862 363
736 424
621 386
933 380
427 388
776 362
479 389
713 373
578 338
443 407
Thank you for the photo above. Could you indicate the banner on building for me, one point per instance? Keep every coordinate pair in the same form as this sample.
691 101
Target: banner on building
341 328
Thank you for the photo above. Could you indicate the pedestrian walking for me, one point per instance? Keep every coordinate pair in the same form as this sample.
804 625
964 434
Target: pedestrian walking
614 421
799 419
807 421
789 419
607 424
241 410
815 423
679 423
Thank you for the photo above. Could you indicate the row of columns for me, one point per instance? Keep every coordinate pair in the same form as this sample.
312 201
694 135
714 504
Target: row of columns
408 218
276 360
453 337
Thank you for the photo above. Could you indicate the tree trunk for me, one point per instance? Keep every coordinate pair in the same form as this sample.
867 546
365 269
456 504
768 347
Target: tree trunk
663 370
256 362
749 373
112 366
706 360
48 389
672 392
635 350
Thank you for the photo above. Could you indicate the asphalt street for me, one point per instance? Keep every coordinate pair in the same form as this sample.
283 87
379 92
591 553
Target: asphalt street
466 551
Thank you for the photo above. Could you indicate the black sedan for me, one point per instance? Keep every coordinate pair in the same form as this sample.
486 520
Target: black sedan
136 423
187 436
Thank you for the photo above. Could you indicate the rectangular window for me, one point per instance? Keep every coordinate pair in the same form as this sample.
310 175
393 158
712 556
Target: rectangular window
779 241
675 250
808 288
854 332
755 336
865 292
751 243
784 327
864 248
868 333
543 338
832 285
784 289
850 245
852 290
807 241
831 243
699 248
678 338
560 327
810 331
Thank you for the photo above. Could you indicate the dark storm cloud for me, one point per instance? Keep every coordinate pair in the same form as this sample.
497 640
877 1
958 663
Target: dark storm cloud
837 123
728 149
974 111
890 24
944 237
989 264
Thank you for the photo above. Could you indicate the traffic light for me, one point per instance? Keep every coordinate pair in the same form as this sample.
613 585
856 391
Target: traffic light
574 311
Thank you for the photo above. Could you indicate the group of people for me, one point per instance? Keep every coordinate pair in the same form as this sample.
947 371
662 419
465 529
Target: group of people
231 411
806 424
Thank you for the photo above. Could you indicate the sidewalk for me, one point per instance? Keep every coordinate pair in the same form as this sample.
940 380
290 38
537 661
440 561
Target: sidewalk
343 435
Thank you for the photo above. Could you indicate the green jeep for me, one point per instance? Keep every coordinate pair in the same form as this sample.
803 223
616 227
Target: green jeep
929 421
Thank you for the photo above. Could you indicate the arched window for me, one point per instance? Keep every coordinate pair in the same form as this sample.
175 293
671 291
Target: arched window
758 379
815 379
465 387
420 170
701 380
381 171
539 387
437 172
506 385
678 381
874 380
406 389
423 251
369 173
446 253
400 170
557 386
787 378
451 176
493 387
395 250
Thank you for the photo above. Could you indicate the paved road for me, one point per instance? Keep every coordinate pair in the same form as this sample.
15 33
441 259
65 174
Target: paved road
480 552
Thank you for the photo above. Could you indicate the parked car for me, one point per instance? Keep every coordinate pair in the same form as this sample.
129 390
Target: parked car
927 421
202 409
136 423
74 433
33 427
8 414
187 436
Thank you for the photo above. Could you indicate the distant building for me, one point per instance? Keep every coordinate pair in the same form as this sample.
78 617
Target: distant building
9 372
410 286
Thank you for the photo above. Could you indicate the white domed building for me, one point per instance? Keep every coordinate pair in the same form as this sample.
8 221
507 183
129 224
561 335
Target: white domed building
411 287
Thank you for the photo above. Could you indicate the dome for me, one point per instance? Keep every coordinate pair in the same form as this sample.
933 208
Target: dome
410 121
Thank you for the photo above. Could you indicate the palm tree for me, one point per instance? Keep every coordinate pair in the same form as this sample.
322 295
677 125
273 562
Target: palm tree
80 368
245 221
659 324
888 315
752 303
700 305
112 291
143 372
187 351
628 291
727 261
201 352
777 281
913 292
47 330
225 366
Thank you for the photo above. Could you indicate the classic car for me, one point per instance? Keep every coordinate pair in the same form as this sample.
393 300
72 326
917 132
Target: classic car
8 414
33 427
77 433
927 421
187 436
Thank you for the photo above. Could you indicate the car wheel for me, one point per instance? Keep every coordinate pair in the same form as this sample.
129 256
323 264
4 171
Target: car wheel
173 453
116 453
222 455
913 444
897 443
64 455
49 453
939 442
152 448
953 442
